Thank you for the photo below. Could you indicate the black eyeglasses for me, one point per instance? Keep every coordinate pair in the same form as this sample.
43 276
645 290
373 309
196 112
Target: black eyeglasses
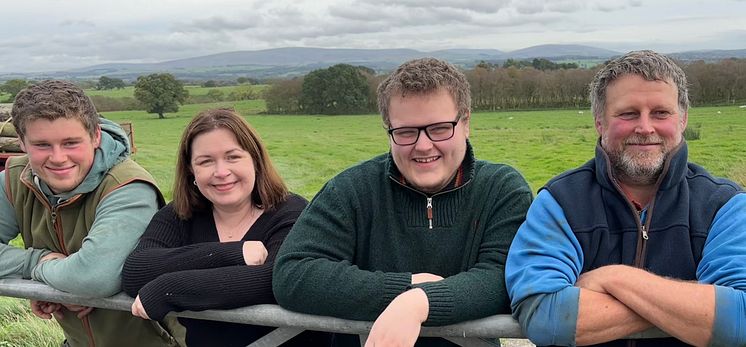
436 132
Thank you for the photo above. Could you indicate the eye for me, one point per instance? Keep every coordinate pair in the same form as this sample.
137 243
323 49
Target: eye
71 144
406 133
203 162
661 113
628 115
439 129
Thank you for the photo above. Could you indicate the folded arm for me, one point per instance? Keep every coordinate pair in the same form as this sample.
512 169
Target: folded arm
543 266
14 262
316 260
480 291
95 269
163 249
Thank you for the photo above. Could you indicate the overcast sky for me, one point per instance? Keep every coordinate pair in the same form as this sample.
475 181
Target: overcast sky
42 35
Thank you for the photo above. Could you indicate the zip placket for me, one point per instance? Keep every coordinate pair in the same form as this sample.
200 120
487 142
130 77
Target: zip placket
430 212
63 248
429 199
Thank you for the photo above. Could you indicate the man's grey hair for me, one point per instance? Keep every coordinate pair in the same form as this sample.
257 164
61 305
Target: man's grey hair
422 77
647 64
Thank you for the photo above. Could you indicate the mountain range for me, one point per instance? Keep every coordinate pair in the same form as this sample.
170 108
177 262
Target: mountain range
294 61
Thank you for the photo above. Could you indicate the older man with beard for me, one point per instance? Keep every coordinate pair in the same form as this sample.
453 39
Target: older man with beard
637 237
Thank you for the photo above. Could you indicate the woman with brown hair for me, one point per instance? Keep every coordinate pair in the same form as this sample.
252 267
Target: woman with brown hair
214 245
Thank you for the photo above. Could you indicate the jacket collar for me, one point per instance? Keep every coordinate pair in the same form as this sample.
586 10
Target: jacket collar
674 167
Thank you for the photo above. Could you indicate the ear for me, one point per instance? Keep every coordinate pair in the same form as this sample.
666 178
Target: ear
467 118
97 137
684 120
22 144
599 124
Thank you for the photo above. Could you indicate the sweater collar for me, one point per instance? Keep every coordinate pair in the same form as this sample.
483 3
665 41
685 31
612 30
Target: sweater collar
464 174
674 168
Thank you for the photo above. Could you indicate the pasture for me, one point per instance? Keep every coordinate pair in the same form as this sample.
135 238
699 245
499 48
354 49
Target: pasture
309 150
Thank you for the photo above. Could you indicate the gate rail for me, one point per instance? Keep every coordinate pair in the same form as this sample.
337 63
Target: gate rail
471 333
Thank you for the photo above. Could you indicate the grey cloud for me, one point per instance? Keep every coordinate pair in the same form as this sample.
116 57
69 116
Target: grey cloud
469 5
611 6
219 23
400 16
77 22
564 6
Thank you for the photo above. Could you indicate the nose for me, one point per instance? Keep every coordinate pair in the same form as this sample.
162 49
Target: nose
423 141
221 169
57 155
644 124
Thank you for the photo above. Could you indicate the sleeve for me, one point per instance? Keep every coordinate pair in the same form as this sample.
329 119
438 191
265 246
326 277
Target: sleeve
314 271
543 265
723 264
95 269
14 262
163 249
224 287
480 291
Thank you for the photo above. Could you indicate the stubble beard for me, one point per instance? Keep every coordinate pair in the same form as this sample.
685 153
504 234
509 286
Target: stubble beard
639 168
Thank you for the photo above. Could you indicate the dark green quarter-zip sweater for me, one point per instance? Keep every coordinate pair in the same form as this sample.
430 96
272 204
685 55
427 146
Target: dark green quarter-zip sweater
357 244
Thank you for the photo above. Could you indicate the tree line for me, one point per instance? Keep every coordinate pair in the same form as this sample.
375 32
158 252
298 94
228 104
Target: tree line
532 84
347 89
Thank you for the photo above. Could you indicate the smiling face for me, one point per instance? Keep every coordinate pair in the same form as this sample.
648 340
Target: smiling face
641 124
428 166
224 172
60 151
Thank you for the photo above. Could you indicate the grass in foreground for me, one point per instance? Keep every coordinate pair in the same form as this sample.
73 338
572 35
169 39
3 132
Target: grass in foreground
20 328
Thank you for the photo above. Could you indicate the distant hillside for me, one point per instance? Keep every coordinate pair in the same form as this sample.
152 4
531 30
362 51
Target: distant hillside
561 51
295 61
710 55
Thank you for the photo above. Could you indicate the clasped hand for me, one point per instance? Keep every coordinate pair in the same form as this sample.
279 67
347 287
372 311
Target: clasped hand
401 321
254 253
46 309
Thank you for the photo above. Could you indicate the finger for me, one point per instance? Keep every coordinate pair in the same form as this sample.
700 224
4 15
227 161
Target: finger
58 315
84 312
50 307
37 310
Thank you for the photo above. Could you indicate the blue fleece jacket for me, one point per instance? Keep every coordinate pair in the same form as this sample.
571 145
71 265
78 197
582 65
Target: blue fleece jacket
545 261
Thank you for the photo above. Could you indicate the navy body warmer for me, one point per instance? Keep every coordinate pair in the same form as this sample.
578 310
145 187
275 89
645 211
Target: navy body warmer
668 242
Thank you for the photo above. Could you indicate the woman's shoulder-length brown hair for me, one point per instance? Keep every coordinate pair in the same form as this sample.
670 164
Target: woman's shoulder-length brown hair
269 189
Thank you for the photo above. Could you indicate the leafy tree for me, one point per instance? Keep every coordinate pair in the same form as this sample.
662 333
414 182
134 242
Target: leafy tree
12 87
243 92
160 93
340 89
215 94
210 84
105 83
283 96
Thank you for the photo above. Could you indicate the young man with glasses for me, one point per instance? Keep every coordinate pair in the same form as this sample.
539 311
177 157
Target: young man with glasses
415 236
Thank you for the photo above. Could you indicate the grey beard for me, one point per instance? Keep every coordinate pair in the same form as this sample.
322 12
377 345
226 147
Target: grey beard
627 169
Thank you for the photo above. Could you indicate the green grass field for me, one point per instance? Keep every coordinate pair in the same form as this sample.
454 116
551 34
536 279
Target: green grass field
309 150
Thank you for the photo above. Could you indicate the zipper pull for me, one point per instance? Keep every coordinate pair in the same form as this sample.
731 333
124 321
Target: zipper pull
430 211
644 233
54 217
